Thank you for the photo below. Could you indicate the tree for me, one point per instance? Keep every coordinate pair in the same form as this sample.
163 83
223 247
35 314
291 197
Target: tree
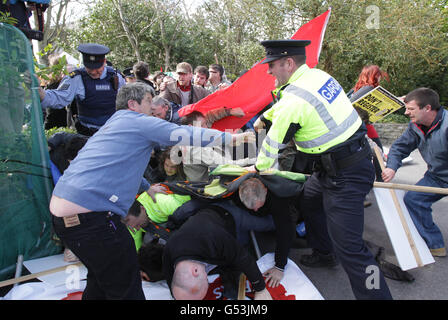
57 17
235 31
387 33
130 20
122 25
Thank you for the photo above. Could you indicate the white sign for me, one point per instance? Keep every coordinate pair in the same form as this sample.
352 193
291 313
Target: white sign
396 231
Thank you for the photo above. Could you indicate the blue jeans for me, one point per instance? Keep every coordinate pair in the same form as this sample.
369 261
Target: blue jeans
419 207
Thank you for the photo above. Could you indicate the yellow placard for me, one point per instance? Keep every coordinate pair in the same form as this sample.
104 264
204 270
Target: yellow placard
378 103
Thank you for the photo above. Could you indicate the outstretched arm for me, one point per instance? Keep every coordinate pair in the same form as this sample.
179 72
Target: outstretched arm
220 113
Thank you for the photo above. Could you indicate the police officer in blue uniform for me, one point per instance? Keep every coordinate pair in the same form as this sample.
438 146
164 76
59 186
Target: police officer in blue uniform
129 75
94 88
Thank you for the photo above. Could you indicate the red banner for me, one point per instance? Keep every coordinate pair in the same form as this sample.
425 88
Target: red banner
252 91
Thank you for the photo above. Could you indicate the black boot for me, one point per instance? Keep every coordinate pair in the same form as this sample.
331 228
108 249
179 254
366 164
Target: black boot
318 260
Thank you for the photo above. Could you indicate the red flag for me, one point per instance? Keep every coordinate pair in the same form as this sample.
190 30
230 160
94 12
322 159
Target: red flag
252 91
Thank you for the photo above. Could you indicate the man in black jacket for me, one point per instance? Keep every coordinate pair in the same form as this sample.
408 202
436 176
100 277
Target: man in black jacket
204 242
258 198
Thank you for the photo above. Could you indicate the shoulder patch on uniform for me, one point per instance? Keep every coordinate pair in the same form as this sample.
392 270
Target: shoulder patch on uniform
330 90
64 86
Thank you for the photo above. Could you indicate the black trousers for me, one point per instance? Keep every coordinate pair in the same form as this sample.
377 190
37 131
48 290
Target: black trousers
334 217
105 246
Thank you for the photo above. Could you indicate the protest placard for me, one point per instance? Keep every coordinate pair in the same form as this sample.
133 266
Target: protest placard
378 103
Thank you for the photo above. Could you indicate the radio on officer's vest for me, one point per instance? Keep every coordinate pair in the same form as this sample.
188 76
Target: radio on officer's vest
115 81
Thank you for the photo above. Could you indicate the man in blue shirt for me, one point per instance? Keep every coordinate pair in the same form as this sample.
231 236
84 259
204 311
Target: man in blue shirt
101 183
94 87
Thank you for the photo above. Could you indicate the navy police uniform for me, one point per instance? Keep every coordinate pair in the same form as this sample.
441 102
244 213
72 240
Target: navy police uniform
313 110
95 98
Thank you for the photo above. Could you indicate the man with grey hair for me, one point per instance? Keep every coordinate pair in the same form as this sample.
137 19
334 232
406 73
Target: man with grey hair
101 183
252 193
166 110
261 199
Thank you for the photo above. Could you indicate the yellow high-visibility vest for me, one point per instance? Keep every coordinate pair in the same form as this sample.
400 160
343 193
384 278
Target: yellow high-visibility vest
165 206
317 105
137 235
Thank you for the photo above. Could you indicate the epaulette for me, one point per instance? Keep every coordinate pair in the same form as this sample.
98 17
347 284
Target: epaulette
74 73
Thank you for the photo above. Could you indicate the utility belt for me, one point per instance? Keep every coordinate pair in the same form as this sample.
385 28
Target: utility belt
332 162
82 129
83 218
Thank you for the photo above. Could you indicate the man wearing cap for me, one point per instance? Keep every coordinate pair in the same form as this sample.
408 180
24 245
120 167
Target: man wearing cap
183 92
312 109
94 87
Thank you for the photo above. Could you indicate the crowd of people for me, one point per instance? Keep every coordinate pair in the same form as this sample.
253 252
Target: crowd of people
131 143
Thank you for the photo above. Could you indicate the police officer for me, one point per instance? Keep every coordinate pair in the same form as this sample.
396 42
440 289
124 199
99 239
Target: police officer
129 75
94 87
312 109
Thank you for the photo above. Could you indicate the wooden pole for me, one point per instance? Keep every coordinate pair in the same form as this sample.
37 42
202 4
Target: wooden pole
400 214
242 283
409 187
242 287
36 275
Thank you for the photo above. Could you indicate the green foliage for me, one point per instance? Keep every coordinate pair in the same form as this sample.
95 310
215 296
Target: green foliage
5 17
51 72
413 53
52 131
407 39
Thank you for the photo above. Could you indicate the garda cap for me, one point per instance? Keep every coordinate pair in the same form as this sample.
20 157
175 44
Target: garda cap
93 54
276 49
129 72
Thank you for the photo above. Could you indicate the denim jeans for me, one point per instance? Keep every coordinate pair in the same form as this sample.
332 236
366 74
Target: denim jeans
419 207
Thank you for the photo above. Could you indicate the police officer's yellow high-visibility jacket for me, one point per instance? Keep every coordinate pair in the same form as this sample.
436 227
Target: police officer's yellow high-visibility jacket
314 110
